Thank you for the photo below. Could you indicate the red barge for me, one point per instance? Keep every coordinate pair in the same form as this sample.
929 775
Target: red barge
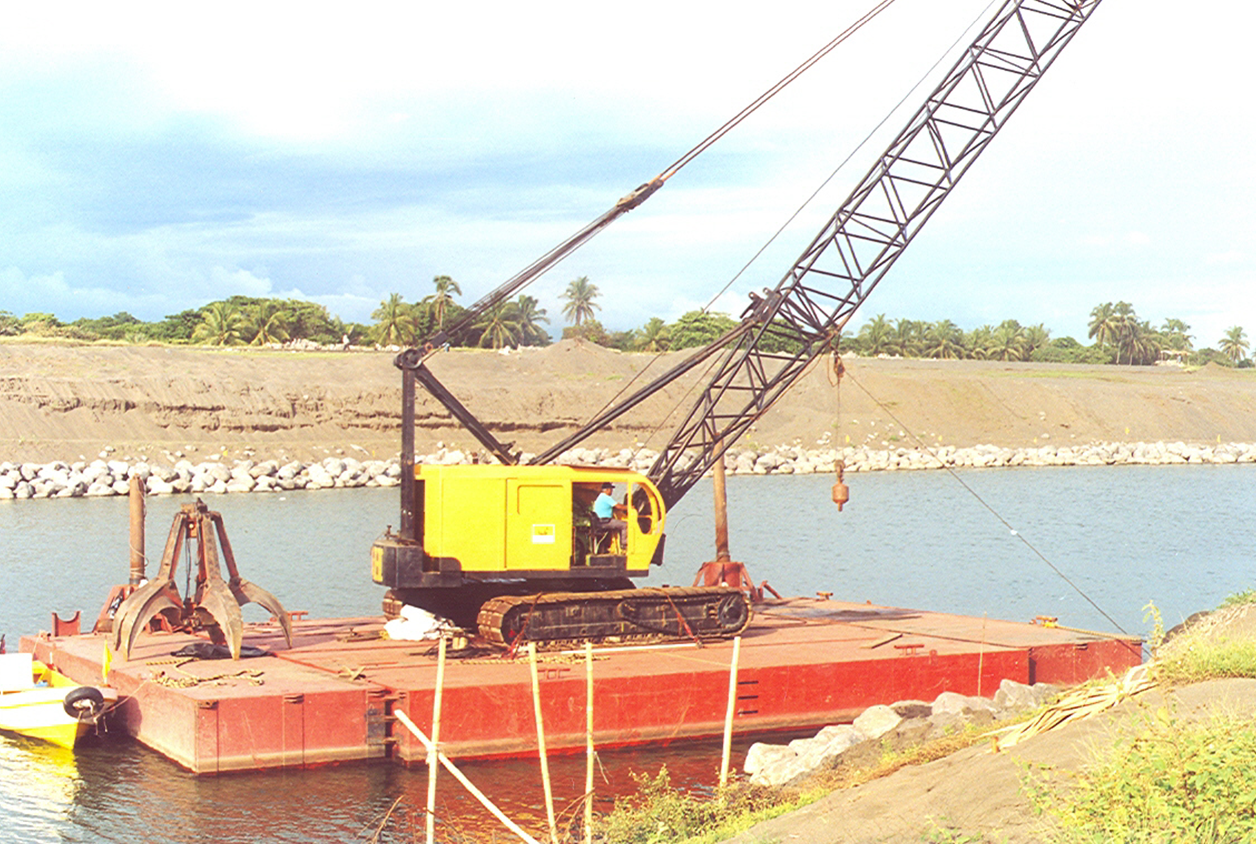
332 697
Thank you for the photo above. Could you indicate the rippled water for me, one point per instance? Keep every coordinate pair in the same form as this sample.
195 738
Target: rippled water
1182 536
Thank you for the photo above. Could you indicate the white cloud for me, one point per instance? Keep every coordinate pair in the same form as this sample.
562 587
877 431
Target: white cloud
1230 257
342 155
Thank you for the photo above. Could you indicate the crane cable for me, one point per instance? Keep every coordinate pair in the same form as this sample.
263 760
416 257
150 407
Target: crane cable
563 250
771 92
881 6
925 446
824 183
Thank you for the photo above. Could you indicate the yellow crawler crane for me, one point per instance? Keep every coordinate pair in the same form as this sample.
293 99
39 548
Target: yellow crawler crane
508 537
517 550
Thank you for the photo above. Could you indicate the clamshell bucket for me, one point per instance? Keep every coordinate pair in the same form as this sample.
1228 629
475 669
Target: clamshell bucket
215 603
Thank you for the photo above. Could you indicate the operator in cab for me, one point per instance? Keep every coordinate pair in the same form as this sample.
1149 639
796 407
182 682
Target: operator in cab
604 507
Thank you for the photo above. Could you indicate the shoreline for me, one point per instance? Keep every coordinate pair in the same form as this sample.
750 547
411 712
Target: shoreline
104 477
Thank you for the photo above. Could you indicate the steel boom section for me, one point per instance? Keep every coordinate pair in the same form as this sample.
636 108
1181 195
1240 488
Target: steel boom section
853 251
866 235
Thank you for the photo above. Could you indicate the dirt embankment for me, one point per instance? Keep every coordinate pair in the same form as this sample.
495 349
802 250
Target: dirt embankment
72 402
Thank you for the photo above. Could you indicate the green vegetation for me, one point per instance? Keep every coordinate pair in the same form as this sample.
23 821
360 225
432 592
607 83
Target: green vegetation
659 812
1119 336
581 298
1171 781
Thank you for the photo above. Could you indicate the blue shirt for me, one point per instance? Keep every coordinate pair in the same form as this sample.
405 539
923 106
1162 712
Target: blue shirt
604 507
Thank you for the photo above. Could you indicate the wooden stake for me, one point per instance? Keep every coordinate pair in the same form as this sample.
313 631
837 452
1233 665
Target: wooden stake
728 716
432 766
588 743
405 721
540 743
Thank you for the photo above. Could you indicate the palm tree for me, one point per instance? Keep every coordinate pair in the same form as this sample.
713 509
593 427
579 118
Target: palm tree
499 326
654 336
439 302
1174 331
1104 324
580 305
977 341
1234 344
1141 342
1127 329
875 336
1007 342
219 325
944 340
1036 337
906 340
394 325
528 318
267 323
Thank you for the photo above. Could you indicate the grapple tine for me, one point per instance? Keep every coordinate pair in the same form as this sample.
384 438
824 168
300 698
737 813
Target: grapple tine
214 595
250 593
130 620
217 600
130 606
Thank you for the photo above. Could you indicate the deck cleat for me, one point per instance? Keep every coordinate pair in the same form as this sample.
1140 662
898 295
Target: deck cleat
214 604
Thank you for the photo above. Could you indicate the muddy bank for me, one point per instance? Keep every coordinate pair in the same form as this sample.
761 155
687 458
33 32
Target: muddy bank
165 404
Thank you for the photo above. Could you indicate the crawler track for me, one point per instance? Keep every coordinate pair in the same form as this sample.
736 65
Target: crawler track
555 619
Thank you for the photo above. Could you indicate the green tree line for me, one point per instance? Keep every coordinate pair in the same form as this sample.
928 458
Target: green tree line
1117 334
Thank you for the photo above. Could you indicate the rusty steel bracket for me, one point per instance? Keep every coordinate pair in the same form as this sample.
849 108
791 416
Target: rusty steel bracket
215 603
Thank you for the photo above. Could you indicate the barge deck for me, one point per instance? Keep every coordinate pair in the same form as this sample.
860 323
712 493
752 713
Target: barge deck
332 697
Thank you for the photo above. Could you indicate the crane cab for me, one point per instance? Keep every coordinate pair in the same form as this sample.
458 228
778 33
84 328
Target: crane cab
488 522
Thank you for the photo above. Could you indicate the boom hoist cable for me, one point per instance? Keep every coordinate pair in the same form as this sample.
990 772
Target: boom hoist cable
411 361
626 203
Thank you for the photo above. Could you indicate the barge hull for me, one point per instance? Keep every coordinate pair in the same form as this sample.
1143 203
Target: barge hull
332 697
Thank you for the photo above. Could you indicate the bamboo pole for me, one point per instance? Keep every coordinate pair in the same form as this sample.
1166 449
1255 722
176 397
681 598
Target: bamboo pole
461 777
540 743
588 743
432 766
728 716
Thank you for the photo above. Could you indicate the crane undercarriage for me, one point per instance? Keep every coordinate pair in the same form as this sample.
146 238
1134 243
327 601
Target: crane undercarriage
603 612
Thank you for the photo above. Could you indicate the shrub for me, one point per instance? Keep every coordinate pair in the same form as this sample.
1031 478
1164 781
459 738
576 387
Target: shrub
1170 782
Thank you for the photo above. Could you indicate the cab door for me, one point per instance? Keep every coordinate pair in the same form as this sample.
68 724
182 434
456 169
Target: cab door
538 525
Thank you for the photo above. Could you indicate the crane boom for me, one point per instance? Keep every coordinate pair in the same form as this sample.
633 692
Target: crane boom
860 243
476 541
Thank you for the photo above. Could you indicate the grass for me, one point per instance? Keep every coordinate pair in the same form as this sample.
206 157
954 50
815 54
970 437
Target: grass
660 814
1084 375
1247 596
1171 780
1193 657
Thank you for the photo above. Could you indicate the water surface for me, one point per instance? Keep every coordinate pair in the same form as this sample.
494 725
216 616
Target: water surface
1181 536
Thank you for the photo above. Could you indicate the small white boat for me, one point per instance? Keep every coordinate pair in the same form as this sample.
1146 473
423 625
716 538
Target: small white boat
38 702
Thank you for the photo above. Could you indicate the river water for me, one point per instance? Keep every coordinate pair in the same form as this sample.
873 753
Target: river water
983 542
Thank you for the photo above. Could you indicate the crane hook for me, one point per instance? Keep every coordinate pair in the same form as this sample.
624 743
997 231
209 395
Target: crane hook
841 492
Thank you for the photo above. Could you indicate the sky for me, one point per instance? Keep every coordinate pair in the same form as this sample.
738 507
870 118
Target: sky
156 157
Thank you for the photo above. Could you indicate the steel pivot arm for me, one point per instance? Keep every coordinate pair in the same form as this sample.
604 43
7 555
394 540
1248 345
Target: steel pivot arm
861 241
411 360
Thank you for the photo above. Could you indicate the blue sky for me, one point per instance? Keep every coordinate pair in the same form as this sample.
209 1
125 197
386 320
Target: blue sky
155 157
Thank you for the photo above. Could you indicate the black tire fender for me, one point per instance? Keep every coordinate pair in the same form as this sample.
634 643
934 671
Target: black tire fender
84 702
